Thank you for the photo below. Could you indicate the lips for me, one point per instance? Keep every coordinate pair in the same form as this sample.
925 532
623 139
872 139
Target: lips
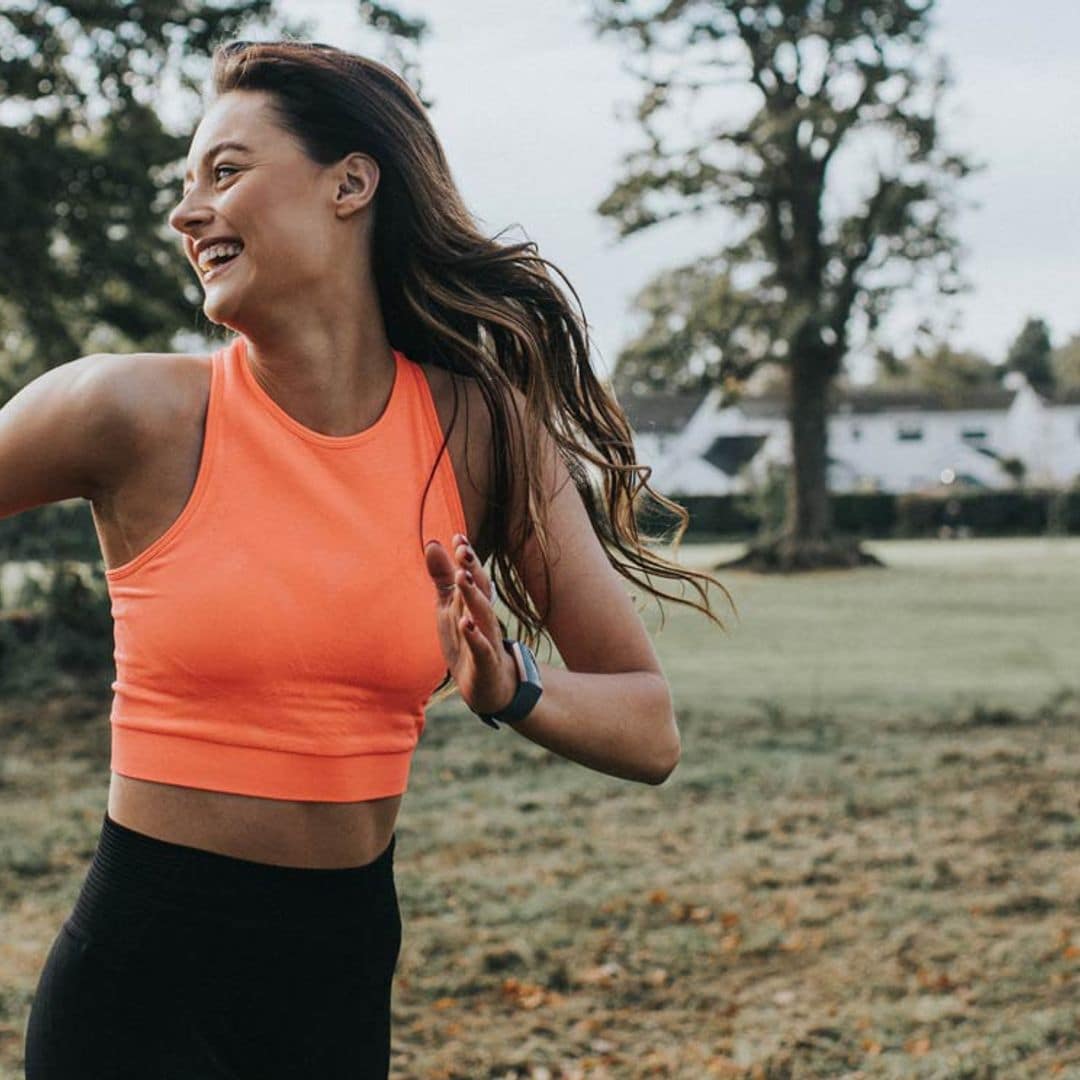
219 268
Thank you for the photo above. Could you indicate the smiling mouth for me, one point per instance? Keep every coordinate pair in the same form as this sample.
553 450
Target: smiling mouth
220 267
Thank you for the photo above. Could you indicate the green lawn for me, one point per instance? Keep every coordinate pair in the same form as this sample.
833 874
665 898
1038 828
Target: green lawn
865 865
946 624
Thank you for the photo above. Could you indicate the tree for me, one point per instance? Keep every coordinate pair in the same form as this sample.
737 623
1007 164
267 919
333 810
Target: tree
1066 363
942 370
1030 354
89 169
799 276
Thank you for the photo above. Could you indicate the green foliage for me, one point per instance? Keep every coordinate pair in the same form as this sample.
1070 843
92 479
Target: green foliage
63 530
1031 354
59 635
939 369
766 502
1065 363
789 283
89 170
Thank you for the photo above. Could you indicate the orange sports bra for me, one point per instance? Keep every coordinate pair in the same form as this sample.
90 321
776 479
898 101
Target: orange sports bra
279 638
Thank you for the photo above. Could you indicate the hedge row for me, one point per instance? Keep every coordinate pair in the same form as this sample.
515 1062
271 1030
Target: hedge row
882 516
66 530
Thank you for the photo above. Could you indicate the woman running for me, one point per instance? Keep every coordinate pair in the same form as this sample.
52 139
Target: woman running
295 530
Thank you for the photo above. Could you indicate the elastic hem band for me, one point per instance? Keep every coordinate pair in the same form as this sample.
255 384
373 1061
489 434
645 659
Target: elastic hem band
257 770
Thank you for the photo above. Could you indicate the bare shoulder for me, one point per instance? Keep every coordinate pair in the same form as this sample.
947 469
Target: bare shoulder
76 428
153 399
145 381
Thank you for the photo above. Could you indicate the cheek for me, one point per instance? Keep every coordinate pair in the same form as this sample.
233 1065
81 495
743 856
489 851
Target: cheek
302 246
287 234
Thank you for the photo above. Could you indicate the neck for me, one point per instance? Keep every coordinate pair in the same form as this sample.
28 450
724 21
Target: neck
331 373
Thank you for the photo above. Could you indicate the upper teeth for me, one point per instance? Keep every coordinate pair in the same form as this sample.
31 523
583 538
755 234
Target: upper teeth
217 250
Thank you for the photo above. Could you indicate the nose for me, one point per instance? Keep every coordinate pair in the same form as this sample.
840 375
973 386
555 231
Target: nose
186 215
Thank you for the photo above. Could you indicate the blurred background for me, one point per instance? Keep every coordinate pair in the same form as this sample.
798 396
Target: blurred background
825 250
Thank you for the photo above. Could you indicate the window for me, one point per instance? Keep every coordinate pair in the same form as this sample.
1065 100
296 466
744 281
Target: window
909 433
856 432
973 433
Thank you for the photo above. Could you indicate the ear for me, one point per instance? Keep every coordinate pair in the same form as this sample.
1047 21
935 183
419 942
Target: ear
355 179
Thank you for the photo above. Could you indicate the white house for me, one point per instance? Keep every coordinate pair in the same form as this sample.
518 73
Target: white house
878 440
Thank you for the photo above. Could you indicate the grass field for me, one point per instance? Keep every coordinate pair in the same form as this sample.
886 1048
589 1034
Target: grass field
867 863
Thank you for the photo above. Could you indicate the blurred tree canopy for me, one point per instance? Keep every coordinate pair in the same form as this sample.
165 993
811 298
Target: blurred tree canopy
1066 363
943 370
1031 354
799 272
89 168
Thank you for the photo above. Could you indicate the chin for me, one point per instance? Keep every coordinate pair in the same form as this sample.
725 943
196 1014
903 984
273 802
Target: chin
218 305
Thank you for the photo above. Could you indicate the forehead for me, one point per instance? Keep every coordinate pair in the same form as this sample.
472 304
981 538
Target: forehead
239 116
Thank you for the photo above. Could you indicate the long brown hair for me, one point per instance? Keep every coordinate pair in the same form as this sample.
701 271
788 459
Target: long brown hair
456 298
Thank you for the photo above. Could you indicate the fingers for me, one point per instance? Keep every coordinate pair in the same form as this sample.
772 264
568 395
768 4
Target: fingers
442 572
462 576
466 558
477 602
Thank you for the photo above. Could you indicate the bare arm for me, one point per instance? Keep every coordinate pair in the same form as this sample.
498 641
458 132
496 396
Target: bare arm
66 434
611 707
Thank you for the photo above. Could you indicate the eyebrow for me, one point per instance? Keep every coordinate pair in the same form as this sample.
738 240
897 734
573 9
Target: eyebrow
227 144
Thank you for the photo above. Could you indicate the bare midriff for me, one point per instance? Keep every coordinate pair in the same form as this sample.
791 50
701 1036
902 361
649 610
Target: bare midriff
278 831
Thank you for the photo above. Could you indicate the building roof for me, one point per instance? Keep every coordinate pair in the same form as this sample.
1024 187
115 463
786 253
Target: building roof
868 400
659 413
729 453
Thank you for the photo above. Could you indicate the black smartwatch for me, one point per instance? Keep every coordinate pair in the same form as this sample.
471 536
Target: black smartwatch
528 690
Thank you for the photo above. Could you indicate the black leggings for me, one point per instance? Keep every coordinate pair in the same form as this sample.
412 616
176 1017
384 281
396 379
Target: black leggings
182 964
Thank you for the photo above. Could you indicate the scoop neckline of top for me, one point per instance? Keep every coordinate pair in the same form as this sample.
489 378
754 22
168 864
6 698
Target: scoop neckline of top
302 430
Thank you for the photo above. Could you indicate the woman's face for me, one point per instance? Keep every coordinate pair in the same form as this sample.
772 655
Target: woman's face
267 194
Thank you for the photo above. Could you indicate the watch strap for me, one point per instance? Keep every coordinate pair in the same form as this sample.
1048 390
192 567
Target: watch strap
528 689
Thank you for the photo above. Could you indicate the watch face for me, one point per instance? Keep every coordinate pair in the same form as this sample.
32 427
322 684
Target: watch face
528 689
516 651
532 672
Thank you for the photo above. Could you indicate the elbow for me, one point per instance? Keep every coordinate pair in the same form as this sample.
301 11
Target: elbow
667 766
666 758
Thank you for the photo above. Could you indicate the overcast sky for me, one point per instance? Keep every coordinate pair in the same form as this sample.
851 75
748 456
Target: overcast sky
525 99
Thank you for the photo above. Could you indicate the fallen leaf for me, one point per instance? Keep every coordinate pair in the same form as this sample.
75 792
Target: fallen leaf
601 974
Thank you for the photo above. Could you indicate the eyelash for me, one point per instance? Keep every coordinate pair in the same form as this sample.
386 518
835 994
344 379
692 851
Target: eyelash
231 168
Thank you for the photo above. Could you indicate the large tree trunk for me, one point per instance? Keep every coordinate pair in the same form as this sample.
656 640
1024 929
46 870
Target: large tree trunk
806 541
808 518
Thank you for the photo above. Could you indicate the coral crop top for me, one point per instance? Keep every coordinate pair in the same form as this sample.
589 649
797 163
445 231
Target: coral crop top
279 638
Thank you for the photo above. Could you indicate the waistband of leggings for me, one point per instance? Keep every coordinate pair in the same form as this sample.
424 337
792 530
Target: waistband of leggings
132 868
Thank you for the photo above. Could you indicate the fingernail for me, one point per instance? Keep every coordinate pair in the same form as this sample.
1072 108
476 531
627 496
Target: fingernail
429 543
469 577
470 625
469 557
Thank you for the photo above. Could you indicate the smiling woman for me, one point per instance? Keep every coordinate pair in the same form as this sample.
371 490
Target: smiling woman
296 542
